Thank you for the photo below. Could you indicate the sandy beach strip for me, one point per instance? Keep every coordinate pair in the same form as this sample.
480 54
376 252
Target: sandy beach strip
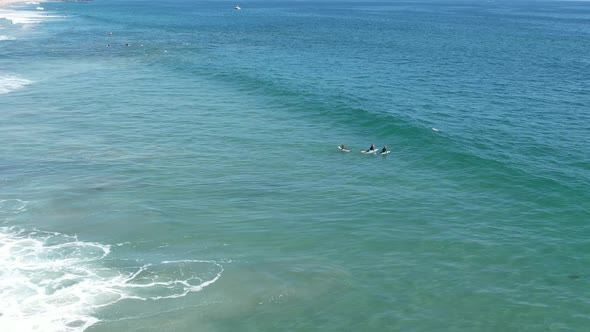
5 3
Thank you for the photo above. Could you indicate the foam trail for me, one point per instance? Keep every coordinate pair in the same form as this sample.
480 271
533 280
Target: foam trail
12 206
10 83
55 282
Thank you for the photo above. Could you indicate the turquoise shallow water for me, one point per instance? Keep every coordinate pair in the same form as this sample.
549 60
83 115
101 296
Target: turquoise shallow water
173 167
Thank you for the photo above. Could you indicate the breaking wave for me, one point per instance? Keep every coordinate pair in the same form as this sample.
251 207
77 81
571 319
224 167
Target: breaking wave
55 282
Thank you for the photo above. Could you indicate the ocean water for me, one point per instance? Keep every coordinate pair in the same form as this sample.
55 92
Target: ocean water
173 166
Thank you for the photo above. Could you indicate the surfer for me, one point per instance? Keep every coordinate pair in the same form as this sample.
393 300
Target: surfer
384 150
343 148
372 148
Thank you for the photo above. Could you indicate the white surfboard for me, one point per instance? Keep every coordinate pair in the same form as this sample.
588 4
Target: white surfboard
369 151
343 150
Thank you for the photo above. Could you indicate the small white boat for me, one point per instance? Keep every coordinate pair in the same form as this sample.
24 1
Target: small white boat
237 8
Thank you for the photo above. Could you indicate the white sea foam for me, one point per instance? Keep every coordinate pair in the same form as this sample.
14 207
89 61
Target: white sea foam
22 16
3 37
10 83
26 16
12 206
55 282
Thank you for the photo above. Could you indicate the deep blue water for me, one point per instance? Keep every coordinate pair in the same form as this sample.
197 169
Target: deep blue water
173 166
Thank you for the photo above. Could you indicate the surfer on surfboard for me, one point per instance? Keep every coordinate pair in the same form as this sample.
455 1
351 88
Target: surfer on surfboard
384 150
370 150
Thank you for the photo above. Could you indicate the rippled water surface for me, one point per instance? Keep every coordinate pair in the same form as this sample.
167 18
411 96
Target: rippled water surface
173 166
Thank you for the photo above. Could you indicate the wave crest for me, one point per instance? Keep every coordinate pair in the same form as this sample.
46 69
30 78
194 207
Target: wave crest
10 83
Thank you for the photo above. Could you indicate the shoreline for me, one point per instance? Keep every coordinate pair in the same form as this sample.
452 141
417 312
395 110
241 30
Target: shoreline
6 3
